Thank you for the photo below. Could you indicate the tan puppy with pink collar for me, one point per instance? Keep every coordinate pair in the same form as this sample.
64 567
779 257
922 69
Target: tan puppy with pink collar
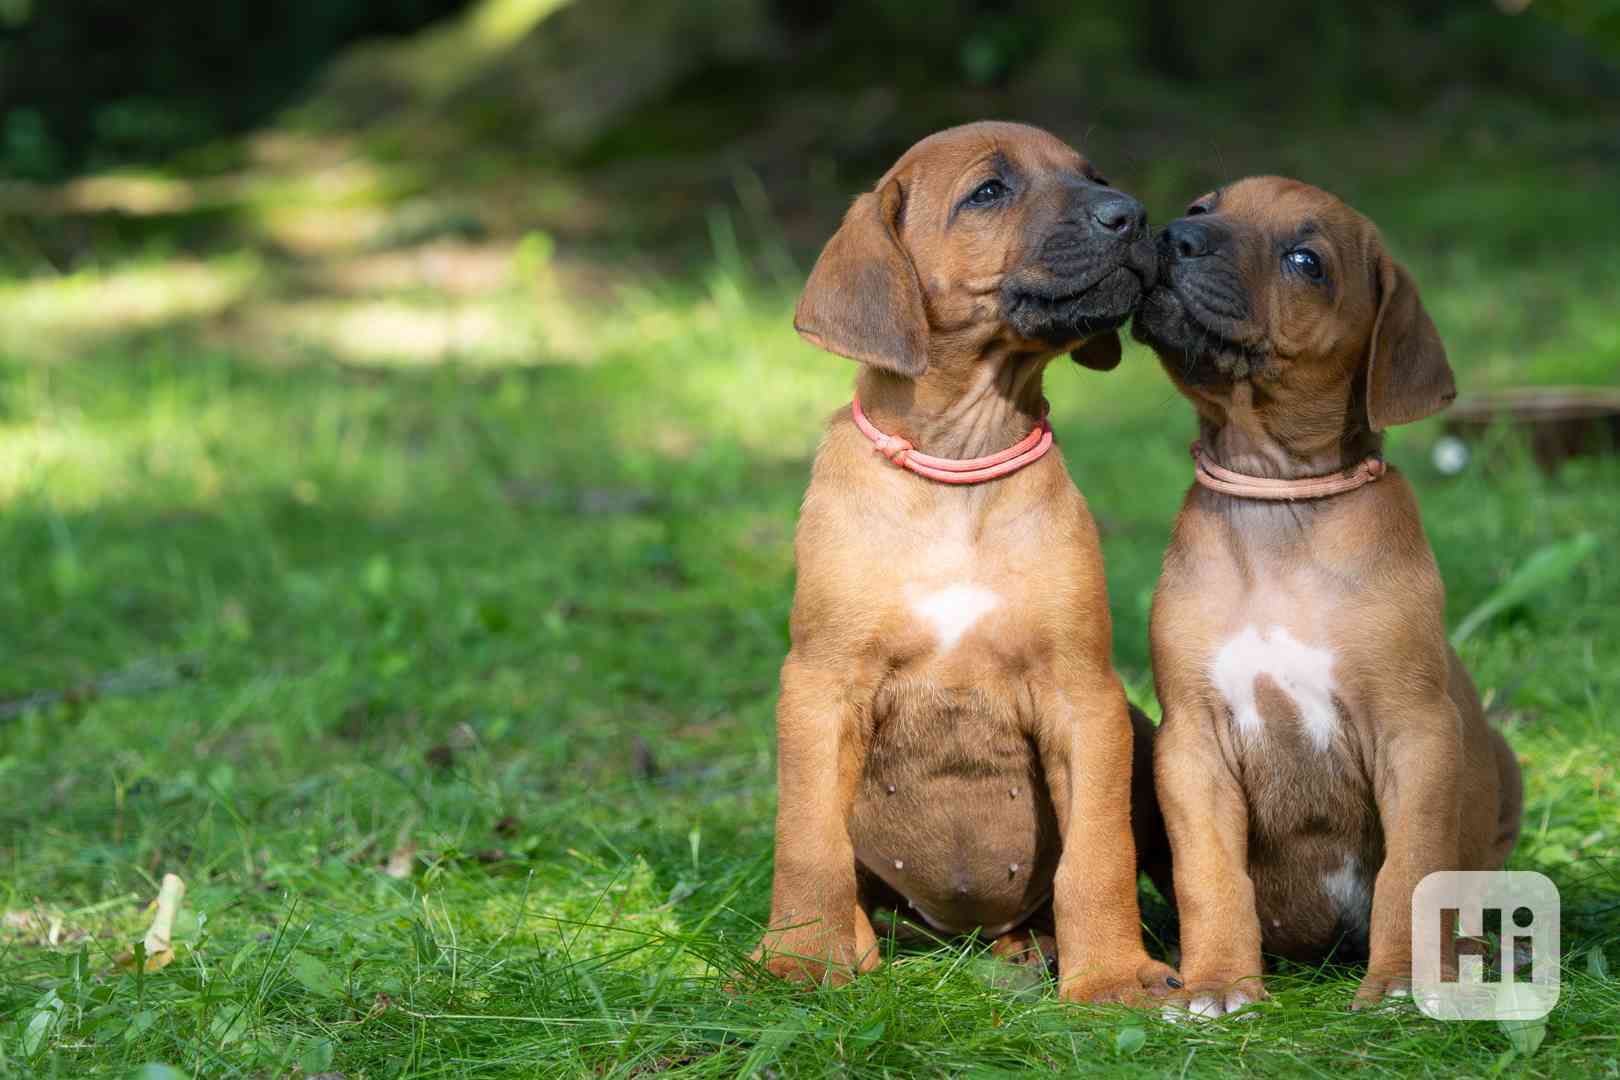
952 738
1322 749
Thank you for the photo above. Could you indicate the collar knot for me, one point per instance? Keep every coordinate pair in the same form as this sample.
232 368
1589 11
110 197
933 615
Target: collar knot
1230 482
894 448
901 453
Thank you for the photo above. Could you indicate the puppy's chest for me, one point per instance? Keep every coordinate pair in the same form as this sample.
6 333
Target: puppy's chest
1279 684
938 615
955 605
1294 744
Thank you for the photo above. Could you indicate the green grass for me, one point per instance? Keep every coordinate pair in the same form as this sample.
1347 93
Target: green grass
516 628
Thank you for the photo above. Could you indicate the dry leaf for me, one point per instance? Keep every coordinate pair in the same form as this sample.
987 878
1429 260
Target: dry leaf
159 947
18 920
402 860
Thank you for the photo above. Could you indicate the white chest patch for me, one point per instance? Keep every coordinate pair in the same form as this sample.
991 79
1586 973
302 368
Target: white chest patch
1302 672
951 611
1347 891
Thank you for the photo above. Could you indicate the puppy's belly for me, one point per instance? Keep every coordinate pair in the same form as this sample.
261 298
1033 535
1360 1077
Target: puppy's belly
1315 841
1314 899
953 812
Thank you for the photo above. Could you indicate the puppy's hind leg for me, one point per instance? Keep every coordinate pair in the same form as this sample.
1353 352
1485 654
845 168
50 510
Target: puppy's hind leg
1032 943
1027 948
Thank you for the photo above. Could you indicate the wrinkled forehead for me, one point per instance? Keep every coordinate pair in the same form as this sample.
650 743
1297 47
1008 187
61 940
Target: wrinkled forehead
942 157
1278 205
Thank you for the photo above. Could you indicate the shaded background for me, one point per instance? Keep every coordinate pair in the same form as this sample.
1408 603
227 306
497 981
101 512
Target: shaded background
401 439
645 113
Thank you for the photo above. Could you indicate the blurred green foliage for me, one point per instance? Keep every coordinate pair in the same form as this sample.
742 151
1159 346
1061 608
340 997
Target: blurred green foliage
88 83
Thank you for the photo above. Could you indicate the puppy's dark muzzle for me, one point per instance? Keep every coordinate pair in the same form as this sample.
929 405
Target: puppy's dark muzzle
1087 273
1103 223
1200 309
1096 237
1195 265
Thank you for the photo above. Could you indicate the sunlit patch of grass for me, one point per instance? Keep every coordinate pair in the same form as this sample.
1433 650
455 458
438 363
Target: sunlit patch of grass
447 269
36 455
53 318
128 193
397 332
334 180
590 909
321 230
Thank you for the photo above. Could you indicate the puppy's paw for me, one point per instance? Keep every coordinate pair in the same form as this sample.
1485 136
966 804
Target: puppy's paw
1377 987
813 955
1138 982
1209 999
1033 950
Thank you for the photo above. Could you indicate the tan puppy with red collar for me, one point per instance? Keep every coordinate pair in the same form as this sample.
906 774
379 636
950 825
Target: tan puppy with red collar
952 738
1322 748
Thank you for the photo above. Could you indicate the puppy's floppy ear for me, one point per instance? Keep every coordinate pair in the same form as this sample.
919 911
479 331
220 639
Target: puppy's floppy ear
1100 352
1408 377
863 299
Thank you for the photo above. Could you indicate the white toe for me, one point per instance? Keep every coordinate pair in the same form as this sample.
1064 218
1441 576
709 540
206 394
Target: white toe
1210 1006
1237 1000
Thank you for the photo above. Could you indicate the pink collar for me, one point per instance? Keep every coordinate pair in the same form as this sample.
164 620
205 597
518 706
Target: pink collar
1224 480
953 470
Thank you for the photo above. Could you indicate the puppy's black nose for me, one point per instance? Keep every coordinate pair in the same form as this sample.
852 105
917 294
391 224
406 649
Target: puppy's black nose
1188 239
1121 215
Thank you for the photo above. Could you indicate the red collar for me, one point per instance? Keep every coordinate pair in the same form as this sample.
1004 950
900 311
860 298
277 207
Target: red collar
1224 480
954 470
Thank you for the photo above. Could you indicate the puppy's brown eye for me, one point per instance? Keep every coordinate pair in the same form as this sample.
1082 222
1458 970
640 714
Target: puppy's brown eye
1196 209
991 191
1100 181
1306 262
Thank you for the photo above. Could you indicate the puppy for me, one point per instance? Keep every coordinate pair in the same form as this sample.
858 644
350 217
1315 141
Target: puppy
951 735
1322 748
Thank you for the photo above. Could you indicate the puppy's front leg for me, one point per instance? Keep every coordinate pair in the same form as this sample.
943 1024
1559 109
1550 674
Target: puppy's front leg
1417 806
817 931
1085 742
1207 819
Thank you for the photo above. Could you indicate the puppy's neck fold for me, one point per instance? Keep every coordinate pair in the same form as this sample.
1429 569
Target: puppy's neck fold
1247 440
960 410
